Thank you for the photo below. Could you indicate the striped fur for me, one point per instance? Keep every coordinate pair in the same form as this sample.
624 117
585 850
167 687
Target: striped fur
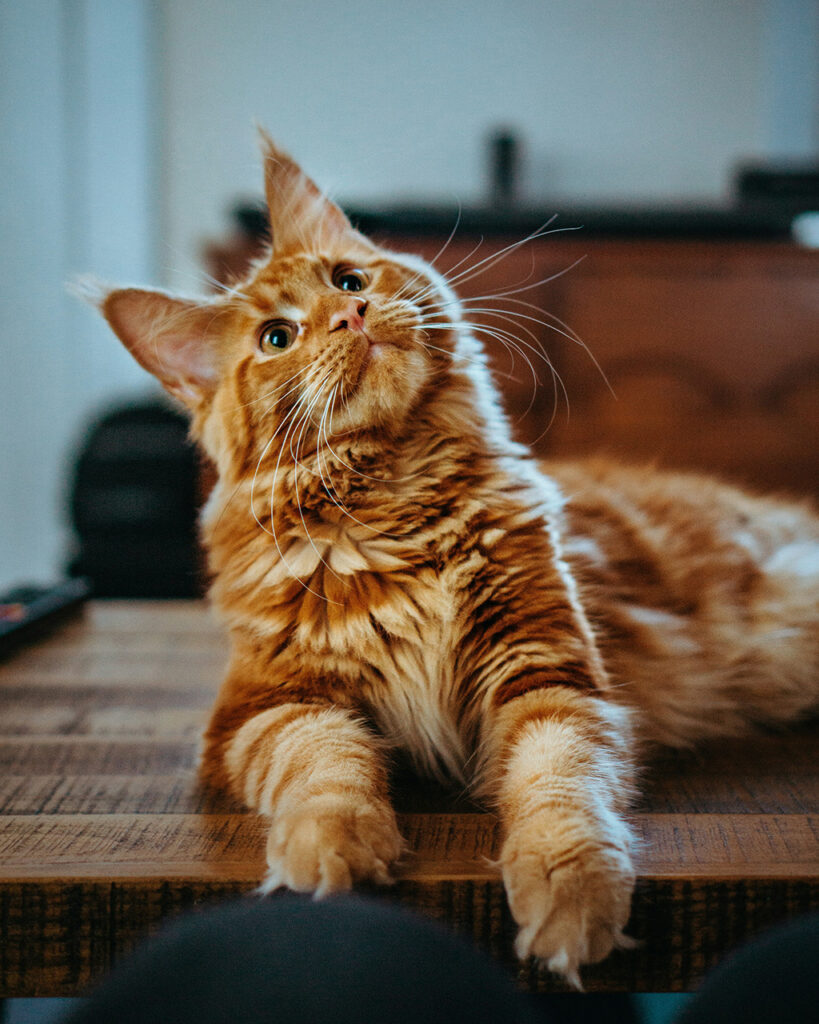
396 573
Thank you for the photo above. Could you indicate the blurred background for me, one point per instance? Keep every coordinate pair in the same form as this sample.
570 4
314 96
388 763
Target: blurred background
128 137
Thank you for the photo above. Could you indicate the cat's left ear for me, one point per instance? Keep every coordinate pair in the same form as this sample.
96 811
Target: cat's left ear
177 340
302 218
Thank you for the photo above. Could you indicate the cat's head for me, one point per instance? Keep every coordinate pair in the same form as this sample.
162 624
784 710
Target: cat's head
328 332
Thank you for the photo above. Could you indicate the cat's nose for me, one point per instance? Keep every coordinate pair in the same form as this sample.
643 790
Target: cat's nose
349 314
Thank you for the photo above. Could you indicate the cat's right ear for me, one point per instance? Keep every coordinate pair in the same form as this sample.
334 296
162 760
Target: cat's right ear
301 216
174 339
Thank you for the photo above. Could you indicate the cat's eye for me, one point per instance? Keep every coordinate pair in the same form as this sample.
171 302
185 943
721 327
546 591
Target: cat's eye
277 335
350 279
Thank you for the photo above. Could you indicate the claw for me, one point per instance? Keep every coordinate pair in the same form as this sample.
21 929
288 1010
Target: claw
272 881
381 873
623 941
560 964
524 940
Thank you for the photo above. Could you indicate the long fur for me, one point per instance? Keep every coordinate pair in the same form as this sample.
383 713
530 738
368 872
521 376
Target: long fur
397 573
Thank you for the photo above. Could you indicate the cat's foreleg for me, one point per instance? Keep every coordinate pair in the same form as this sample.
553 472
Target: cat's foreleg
318 773
559 770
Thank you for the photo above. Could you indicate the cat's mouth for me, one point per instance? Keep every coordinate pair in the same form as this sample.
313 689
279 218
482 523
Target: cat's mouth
377 351
382 376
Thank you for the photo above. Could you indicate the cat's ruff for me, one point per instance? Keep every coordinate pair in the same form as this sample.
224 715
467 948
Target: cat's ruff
396 572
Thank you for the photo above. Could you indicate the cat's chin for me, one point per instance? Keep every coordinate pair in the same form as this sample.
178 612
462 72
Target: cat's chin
390 382
379 354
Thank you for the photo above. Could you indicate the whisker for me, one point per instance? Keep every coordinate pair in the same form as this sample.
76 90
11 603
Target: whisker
272 531
491 261
321 597
304 421
308 371
289 417
434 259
459 356
514 344
430 287
292 419
446 244
321 460
518 288
564 330
553 323
338 502
261 458
500 333
363 475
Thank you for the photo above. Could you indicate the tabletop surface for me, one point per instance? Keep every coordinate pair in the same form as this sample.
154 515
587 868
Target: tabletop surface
105 832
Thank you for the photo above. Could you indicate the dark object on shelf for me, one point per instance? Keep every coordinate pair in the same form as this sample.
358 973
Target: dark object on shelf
759 221
630 222
793 187
251 218
133 505
30 611
504 167
228 260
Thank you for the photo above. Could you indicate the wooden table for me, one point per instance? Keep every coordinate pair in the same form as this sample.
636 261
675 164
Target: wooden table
105 832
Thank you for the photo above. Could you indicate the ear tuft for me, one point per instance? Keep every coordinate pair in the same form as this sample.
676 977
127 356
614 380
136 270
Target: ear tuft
89 289
302 218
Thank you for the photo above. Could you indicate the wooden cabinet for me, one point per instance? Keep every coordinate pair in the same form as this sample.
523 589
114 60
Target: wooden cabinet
691 354
701 355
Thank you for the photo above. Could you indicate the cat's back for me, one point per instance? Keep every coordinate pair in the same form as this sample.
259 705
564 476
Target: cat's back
690 523
695 588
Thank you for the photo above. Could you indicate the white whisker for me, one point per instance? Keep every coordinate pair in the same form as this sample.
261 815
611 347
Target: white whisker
563 329
304 421
417 276
340 504
310 372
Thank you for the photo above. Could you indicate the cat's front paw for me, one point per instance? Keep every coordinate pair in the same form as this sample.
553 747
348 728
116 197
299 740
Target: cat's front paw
329 843
571 900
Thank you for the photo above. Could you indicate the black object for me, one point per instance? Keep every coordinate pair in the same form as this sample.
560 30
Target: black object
504 167
760 222
133 505
794 186
251 217
292 960
756 221
351 959
771 978
29 611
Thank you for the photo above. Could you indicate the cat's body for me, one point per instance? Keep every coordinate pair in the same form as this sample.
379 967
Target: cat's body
397 573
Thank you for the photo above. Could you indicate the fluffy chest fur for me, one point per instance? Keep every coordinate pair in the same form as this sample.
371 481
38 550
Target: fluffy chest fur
392 589
328 592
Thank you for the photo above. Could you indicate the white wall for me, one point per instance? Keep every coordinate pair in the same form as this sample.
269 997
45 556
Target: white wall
32 308
75 168
624 99
790 99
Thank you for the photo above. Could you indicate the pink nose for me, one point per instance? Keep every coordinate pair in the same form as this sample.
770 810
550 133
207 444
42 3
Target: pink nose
349 314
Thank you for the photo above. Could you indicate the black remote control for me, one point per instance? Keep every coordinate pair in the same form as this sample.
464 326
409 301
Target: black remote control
29 611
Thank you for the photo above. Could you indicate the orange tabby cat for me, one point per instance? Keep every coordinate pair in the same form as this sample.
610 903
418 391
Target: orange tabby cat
396 572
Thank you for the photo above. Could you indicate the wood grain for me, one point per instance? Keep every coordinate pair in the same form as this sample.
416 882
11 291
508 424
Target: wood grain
105 832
